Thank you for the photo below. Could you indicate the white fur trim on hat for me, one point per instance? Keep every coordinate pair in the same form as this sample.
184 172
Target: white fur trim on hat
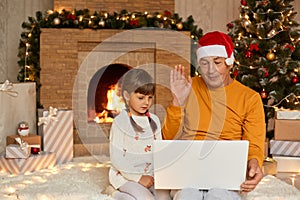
214 50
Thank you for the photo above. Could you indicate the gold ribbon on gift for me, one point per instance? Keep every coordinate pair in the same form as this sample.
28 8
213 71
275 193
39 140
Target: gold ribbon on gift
7 88
48 119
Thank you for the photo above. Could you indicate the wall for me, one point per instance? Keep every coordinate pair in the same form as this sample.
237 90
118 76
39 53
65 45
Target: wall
12 14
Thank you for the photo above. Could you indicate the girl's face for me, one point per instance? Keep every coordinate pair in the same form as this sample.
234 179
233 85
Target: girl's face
139 103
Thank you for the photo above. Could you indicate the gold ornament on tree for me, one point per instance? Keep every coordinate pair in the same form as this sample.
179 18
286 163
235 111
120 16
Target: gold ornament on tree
270 56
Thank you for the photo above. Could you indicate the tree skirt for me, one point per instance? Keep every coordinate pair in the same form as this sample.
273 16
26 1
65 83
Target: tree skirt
86 177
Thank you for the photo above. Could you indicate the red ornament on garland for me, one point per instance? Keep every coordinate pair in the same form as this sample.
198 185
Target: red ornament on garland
134 22
248 54
244 2
167 13
295 79
71 16
263 94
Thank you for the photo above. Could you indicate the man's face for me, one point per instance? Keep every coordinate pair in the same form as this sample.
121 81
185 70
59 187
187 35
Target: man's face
215 72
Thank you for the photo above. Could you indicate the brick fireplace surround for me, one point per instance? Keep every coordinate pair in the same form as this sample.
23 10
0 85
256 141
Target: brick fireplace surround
70 58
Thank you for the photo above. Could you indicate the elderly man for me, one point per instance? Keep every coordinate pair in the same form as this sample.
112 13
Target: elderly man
216 106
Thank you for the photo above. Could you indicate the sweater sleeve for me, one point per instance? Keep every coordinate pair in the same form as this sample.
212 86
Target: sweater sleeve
255 129
172 127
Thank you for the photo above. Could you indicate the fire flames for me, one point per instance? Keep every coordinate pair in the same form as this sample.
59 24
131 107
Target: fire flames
114 106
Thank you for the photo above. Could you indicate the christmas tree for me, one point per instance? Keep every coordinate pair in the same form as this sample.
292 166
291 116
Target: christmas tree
267 52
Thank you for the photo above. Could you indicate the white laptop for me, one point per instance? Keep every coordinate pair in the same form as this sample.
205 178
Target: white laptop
202 164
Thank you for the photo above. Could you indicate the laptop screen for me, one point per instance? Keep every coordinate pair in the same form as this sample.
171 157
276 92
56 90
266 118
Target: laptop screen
202 164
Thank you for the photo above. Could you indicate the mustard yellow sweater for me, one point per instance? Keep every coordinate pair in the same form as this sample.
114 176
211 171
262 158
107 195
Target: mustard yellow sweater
234 112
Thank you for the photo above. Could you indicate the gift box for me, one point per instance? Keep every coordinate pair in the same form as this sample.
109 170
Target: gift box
288 114
286 129
16 151
269 166
30 139
32 163
287 163
285 148
18 103
57 134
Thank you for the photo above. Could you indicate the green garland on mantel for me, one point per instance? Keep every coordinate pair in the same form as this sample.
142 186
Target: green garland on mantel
29 46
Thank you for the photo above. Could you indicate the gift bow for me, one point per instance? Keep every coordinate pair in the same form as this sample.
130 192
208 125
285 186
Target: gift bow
23 145
7 87
51 117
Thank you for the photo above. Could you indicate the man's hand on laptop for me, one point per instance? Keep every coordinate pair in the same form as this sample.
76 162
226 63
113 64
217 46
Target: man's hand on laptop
254 176
146 181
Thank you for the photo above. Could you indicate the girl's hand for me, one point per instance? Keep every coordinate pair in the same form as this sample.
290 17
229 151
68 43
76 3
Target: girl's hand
146 181
180 86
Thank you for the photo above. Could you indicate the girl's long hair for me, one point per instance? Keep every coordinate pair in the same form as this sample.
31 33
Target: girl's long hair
138 81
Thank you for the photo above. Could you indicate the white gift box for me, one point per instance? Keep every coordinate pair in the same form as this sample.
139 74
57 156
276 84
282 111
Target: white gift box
57 135
287 163
15 151
288 114
18 103
32 163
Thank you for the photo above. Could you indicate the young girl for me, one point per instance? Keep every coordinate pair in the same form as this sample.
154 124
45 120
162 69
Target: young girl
132 134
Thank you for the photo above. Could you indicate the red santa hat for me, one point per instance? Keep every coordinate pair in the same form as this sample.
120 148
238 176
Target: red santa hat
216 44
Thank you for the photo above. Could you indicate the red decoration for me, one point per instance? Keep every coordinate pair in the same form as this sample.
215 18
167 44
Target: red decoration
244 2
295 79
288 46
235 73
263 94
134 22
264 3
167 13
71 16
254 47
35 150
266 74
229 26
248 54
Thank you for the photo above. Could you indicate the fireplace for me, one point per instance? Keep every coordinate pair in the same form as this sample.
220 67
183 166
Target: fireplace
77 65
104 98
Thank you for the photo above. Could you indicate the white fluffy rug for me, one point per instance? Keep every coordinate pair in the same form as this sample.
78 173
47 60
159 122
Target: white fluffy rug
86 177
